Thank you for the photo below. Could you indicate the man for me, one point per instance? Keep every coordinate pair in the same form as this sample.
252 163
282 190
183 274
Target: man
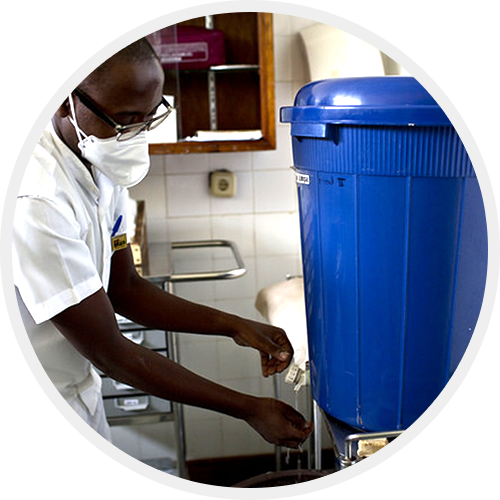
73 269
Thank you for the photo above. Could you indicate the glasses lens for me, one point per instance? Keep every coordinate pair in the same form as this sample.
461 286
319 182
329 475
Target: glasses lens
161 115
130 133
158 121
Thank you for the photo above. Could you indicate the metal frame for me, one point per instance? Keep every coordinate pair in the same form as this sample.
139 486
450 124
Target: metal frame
350 457
235 272
168 283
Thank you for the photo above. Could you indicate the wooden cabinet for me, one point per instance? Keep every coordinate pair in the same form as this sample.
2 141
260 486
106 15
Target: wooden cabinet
236 96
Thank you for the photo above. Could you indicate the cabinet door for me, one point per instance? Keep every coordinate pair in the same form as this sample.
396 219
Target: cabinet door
234 99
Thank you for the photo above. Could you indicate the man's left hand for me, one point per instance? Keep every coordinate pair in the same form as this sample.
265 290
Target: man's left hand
275 349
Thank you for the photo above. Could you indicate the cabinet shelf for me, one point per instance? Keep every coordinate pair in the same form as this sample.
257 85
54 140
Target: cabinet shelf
227 68
240 93
224 68
186 147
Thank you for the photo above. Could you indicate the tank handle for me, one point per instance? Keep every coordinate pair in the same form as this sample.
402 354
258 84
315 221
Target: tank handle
316 130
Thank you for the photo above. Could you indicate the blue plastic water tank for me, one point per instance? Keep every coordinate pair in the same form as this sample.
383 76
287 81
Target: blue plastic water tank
394 246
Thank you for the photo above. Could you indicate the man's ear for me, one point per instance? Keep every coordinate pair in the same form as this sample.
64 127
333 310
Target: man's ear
64 110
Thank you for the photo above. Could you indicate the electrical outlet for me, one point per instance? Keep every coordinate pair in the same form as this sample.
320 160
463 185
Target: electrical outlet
222 183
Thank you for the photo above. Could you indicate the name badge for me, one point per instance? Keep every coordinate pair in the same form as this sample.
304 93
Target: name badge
119 242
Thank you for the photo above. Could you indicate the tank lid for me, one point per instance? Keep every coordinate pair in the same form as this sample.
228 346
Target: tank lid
383 100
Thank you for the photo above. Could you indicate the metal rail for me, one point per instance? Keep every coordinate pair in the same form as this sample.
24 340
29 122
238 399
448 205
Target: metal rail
168 284
232 273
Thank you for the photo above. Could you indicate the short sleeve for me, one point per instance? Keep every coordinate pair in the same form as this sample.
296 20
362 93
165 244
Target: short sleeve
52 265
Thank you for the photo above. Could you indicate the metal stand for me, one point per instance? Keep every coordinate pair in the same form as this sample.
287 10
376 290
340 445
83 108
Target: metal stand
277 395
345 436
169 282
317 420
351 457
180 437
314 461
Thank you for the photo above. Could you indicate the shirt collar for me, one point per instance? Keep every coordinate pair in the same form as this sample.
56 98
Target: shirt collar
78 169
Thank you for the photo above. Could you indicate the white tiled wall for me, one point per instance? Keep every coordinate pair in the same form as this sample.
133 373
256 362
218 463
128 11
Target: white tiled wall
263 221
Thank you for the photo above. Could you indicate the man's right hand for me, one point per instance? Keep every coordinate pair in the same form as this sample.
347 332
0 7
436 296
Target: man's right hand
278 423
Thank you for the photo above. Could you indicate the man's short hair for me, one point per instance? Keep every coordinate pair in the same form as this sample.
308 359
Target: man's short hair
137 52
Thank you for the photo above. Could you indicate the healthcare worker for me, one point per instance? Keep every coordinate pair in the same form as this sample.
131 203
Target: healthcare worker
73 269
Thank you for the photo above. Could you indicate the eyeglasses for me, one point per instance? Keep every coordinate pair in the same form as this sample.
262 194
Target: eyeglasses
124 132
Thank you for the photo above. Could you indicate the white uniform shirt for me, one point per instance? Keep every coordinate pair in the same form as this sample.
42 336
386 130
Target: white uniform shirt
61 255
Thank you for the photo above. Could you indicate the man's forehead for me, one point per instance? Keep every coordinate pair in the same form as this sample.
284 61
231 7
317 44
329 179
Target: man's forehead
126 80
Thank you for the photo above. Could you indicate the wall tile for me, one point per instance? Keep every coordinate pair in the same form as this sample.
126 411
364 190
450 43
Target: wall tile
200 293
153 190
237 288
156 229
235 162
241 307
192 260
157 165
283 58
274 269
187 195
299 23
300 68
238 438
189 228
250 384
237 228
284 95
242 203
198 353
238 363
281 158
186 164
275 191
277 234
281 24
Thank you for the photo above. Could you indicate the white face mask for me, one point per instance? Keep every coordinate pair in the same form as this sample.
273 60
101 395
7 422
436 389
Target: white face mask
125 163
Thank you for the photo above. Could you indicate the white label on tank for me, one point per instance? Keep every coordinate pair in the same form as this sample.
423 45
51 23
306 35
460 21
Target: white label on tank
302 178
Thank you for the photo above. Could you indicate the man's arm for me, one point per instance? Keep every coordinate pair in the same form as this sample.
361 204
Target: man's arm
146 304
92 329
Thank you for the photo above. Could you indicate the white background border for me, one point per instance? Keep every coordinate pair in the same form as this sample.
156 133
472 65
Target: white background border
451 46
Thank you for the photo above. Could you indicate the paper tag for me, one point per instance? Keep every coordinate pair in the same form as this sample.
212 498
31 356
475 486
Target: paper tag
302 178
293 374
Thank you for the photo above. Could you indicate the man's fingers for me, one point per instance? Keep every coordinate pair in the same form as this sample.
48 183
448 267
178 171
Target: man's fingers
271 365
